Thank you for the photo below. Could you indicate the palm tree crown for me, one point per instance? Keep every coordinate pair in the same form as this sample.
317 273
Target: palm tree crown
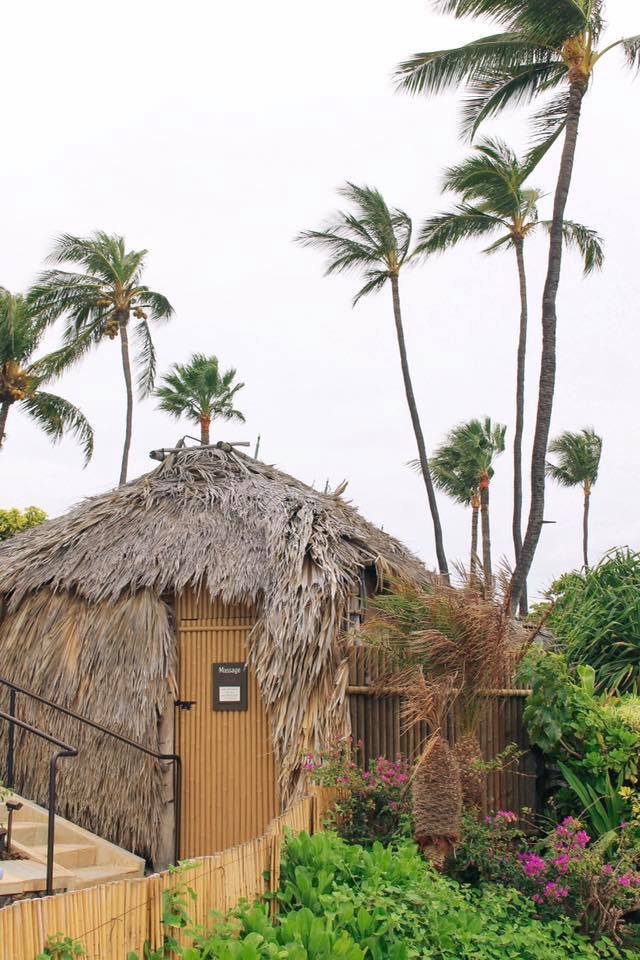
22 377
200 392
578 458
494 201
100 301
376 241
547 45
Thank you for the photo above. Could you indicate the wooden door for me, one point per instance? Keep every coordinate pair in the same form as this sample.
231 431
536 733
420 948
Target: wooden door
229 791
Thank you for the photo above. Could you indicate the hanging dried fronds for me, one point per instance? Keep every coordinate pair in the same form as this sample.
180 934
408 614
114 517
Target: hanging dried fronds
437 800
473 778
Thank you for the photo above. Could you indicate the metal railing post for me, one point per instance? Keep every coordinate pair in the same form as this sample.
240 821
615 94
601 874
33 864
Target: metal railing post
11 740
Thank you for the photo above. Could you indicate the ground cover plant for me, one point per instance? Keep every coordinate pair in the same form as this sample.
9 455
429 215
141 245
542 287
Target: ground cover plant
340 900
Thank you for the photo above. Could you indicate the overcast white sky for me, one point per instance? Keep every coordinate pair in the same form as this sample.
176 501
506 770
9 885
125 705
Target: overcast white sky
210 134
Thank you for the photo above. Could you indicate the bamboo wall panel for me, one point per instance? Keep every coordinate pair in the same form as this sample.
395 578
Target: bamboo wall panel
377 725
114 919
229 773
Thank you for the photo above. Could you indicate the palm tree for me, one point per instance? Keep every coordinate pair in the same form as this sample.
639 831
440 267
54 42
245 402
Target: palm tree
494 203
577 466
376 241
455 476
100 301
546 45
200 392
22 377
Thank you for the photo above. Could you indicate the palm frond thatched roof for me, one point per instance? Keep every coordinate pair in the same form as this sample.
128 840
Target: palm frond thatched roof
209 517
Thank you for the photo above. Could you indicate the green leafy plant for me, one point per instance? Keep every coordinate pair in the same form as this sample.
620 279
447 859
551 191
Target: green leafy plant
60 947
595 749
596 617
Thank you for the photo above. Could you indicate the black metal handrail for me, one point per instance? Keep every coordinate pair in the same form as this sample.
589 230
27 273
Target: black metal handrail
173 758
65 750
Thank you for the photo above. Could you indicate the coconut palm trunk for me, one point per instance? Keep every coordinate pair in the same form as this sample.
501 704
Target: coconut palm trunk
486 535
205 426
548 359
4 413
417 429
126 369
585 525
519 429
473 562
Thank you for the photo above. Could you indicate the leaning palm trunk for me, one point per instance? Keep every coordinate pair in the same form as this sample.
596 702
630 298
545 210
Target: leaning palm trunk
585 525
548 359
517 440
473 561
486 536
126 369
472 778
437 801
4 413
417 429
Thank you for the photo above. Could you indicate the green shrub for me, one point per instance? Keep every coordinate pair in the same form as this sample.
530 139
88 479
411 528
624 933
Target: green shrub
596 616
15 521
589 737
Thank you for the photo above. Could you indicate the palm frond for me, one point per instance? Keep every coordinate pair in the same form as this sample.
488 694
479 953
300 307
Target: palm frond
550 21
56 416
441 70
145 358
587 241
631 48
446 230
53 364
548 124
376 280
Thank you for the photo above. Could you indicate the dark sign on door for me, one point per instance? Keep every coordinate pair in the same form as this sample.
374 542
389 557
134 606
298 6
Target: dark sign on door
230 690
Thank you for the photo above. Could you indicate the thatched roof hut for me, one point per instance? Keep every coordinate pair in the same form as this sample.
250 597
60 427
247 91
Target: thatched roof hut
91 618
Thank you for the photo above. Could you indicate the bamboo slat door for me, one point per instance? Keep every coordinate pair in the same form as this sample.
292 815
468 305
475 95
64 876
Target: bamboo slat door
229 791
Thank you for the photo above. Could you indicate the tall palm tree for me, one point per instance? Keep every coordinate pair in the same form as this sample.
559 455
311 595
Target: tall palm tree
494 203
546 45
577 466
100 301
199 391
376 241
22 377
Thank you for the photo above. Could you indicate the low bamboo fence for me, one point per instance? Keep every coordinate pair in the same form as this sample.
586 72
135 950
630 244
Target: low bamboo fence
115 919
377 725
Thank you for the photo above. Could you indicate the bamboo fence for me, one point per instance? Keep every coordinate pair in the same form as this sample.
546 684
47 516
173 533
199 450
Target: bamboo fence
377 724
112 920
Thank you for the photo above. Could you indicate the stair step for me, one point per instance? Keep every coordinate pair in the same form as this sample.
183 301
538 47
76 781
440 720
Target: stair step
70 855
103 873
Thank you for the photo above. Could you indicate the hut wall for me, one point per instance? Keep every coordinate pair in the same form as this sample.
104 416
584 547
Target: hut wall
229 772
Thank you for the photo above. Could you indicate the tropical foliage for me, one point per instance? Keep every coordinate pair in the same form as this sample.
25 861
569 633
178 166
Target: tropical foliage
15 521
577 464
201 392
595 615
375 241
24 376
98 302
